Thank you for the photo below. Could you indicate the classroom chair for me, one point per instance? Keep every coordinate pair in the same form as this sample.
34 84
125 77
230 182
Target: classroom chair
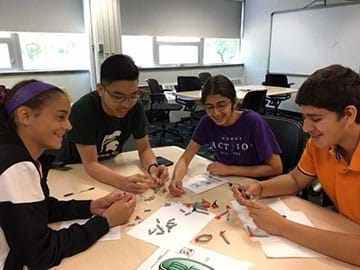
279 80
255 100
188 83
204 76
160 109
291 138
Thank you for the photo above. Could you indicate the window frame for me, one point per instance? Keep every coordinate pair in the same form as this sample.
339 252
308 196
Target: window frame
200 45
13 49
15 54
156 51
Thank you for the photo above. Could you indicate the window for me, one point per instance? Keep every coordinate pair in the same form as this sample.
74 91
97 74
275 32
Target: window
54 51
6 52
5 62
140 48
25 51
178 51
177 54
220 50
5 35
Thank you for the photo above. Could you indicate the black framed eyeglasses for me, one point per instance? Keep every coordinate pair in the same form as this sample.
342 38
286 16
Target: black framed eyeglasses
219 106
122 98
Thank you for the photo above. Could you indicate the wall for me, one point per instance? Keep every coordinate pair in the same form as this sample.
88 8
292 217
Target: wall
169 76
255 45
78 83
46 16
189 18
42 16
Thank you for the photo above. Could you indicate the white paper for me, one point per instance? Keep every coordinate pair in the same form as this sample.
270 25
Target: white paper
113 234
243 213
203 182
277 247
274 246
187 228
211 259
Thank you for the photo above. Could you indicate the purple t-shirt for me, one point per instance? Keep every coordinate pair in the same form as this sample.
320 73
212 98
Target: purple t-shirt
247 142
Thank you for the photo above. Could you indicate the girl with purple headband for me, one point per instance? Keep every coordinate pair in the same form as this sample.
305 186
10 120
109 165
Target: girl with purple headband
34 118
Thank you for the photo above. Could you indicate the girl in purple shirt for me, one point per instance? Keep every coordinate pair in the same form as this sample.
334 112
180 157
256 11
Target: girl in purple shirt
243 143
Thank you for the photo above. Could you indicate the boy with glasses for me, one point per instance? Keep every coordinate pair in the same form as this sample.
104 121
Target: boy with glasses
103 121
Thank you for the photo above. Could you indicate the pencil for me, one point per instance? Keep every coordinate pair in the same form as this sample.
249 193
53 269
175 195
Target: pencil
78 192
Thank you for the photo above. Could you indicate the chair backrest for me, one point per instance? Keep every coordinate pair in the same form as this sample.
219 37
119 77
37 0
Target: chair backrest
188 83
154 86
276 80
255 100
290 136
204 76
156 92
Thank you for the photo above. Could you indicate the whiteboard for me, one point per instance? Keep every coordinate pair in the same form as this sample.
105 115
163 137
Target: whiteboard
303 41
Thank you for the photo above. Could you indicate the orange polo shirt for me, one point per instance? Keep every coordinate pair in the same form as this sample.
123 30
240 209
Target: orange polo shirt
340 180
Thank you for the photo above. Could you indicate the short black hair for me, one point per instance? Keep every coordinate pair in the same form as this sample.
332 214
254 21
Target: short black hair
218 85
118 67
332 88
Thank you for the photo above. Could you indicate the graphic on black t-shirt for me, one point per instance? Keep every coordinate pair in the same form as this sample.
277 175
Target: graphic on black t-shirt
92 126
110 144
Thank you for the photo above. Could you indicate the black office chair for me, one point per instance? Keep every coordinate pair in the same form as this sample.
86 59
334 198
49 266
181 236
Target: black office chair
188 83
290 136
292 141
279 80
155 87
160 109
204 76
255 100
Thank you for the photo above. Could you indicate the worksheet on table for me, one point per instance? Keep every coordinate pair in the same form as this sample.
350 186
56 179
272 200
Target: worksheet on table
203 182
274 246
192 257
171 226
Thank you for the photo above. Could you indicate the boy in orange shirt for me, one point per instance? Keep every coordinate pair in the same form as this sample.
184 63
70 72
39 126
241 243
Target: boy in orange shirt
330 103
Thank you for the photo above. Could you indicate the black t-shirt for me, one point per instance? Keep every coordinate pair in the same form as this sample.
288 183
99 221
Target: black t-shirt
92 126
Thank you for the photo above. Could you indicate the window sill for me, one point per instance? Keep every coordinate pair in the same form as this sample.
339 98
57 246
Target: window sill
181 67
52 71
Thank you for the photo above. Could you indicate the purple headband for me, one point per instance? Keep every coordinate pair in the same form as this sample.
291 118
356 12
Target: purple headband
26 93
